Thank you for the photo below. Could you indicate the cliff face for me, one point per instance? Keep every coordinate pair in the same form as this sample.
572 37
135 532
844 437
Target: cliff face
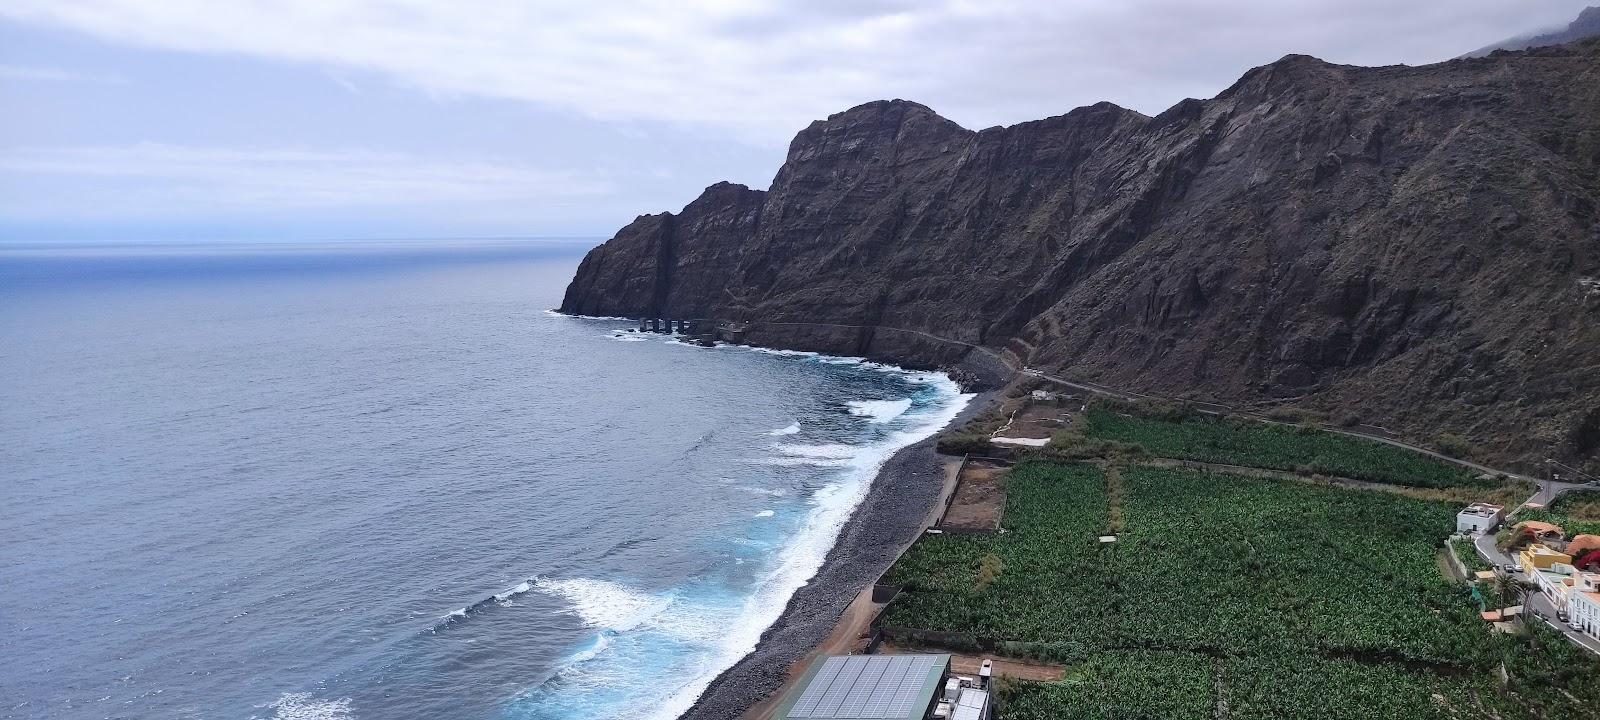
1417 246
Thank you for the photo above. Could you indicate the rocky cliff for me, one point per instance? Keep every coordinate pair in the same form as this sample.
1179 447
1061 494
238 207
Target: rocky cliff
1416 246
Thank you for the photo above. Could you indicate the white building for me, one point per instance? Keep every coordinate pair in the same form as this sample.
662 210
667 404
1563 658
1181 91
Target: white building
1583 613
1479 518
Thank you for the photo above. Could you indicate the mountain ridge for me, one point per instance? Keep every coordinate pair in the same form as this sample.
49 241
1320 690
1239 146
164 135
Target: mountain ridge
1586 25
1416 246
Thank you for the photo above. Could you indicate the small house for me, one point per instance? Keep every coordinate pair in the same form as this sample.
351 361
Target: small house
1479 518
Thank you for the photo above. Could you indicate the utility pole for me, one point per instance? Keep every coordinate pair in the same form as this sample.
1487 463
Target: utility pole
1569 468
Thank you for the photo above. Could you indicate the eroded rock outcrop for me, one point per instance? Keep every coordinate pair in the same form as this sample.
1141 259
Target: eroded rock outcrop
1417 246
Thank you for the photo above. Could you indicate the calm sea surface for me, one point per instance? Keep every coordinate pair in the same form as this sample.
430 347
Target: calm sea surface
380 480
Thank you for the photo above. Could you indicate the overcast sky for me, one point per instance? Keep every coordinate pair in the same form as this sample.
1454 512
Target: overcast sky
305 119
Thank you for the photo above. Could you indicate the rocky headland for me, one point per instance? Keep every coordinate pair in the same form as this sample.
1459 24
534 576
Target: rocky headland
1411 247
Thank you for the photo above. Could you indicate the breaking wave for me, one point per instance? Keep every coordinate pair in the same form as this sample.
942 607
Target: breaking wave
613 318
803 462
821 452
879 411
686 636
603 604
596 645
783 353
499 598
301 706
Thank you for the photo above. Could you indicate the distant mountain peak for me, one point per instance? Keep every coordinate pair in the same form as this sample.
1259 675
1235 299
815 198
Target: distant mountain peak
1586 25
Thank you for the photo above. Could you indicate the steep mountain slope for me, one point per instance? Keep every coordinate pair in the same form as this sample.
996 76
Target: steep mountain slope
1587 25
1417 246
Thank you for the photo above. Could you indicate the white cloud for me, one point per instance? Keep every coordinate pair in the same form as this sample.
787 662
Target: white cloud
54 74
763 68
158 179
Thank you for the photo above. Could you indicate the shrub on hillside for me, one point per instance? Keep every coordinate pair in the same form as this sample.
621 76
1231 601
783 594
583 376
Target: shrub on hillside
964 444
1149 408
1454 445
1073 445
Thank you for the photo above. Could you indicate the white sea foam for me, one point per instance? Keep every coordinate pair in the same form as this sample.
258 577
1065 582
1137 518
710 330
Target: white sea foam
830 360
803 462
773 492
803 555
785 353
826 452
879 411
601 641
605 604
790 430
516 590
707 626
500 598
765 513
627 336
301 706
558 313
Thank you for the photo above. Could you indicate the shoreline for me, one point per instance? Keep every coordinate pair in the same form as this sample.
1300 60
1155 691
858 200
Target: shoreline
889 518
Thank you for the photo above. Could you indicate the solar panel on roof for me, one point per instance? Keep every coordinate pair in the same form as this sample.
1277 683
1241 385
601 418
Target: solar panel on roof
868 687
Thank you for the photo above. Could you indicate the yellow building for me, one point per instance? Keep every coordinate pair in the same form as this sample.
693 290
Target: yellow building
1538 556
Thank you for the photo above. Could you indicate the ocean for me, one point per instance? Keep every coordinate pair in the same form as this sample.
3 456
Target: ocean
384 480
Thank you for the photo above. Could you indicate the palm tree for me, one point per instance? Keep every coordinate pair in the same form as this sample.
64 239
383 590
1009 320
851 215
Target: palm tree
1506 590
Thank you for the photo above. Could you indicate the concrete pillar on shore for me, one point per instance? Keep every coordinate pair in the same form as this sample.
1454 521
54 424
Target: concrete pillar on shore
644 324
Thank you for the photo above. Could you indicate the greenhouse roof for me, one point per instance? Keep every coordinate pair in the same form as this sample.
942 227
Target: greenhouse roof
866 687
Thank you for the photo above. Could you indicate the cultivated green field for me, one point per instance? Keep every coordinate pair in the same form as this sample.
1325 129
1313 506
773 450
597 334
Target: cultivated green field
1266 598
1278 447
1206 562
1053 513
1120 684
1114 685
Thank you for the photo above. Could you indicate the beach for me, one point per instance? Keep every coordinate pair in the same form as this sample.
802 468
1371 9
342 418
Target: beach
888 519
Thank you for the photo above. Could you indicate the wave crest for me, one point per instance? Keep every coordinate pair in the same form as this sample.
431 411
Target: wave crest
605 604
879 411
301 706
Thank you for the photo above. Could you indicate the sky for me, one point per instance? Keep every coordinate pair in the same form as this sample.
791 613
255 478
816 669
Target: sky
202 120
